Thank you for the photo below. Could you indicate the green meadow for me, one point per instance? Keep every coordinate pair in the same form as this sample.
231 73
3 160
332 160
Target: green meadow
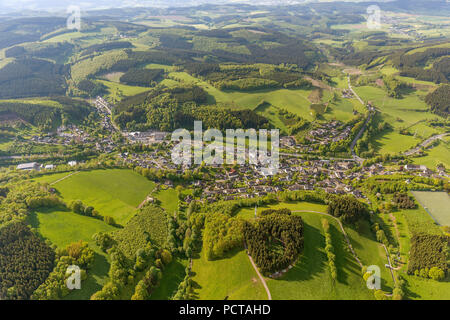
437 203
173 275
231 278
436 155
114 192
168 199
406 112
65 227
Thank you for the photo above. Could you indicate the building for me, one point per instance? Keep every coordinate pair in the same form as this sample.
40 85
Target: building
49 167
72 163
29 166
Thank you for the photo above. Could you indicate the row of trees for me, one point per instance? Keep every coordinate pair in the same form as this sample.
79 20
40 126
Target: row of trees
329 250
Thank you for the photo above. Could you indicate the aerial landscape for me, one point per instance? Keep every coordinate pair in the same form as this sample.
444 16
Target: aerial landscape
113 179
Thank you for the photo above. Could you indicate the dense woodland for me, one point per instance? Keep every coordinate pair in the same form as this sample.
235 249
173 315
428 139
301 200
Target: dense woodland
439 100
274 241
25 262
32 77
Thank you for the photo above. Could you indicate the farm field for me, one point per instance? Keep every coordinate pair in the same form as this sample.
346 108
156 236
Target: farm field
437 203
231 278
408 109
393 142
114 192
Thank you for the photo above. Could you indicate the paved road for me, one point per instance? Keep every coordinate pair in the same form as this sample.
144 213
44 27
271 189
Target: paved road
300 155
425 144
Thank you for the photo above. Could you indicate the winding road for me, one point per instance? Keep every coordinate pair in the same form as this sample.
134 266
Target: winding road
425 144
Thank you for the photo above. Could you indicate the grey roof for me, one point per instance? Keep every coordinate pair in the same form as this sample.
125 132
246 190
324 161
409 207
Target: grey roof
25 166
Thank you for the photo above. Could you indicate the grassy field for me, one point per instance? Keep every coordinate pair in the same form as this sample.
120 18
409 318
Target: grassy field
436 155
173 275
295 101
249 213
400 114
65 227
116 193
169 200
51 178
117 90
408 222
437 203
231 278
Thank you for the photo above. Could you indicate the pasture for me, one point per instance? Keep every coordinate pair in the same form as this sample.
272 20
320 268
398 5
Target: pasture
64 227
231 278
437 204
114 192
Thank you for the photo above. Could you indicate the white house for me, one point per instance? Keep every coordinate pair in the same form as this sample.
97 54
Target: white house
72 163
49 167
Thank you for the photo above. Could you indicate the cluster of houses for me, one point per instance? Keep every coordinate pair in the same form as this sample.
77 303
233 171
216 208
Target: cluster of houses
329 132
347 94
148 137
63 136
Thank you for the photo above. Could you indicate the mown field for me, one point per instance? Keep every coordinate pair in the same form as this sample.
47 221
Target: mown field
231 278
115 192
437 203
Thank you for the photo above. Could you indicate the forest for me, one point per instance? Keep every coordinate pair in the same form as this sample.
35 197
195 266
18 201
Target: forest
439 100
274 241
32 77
25 262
